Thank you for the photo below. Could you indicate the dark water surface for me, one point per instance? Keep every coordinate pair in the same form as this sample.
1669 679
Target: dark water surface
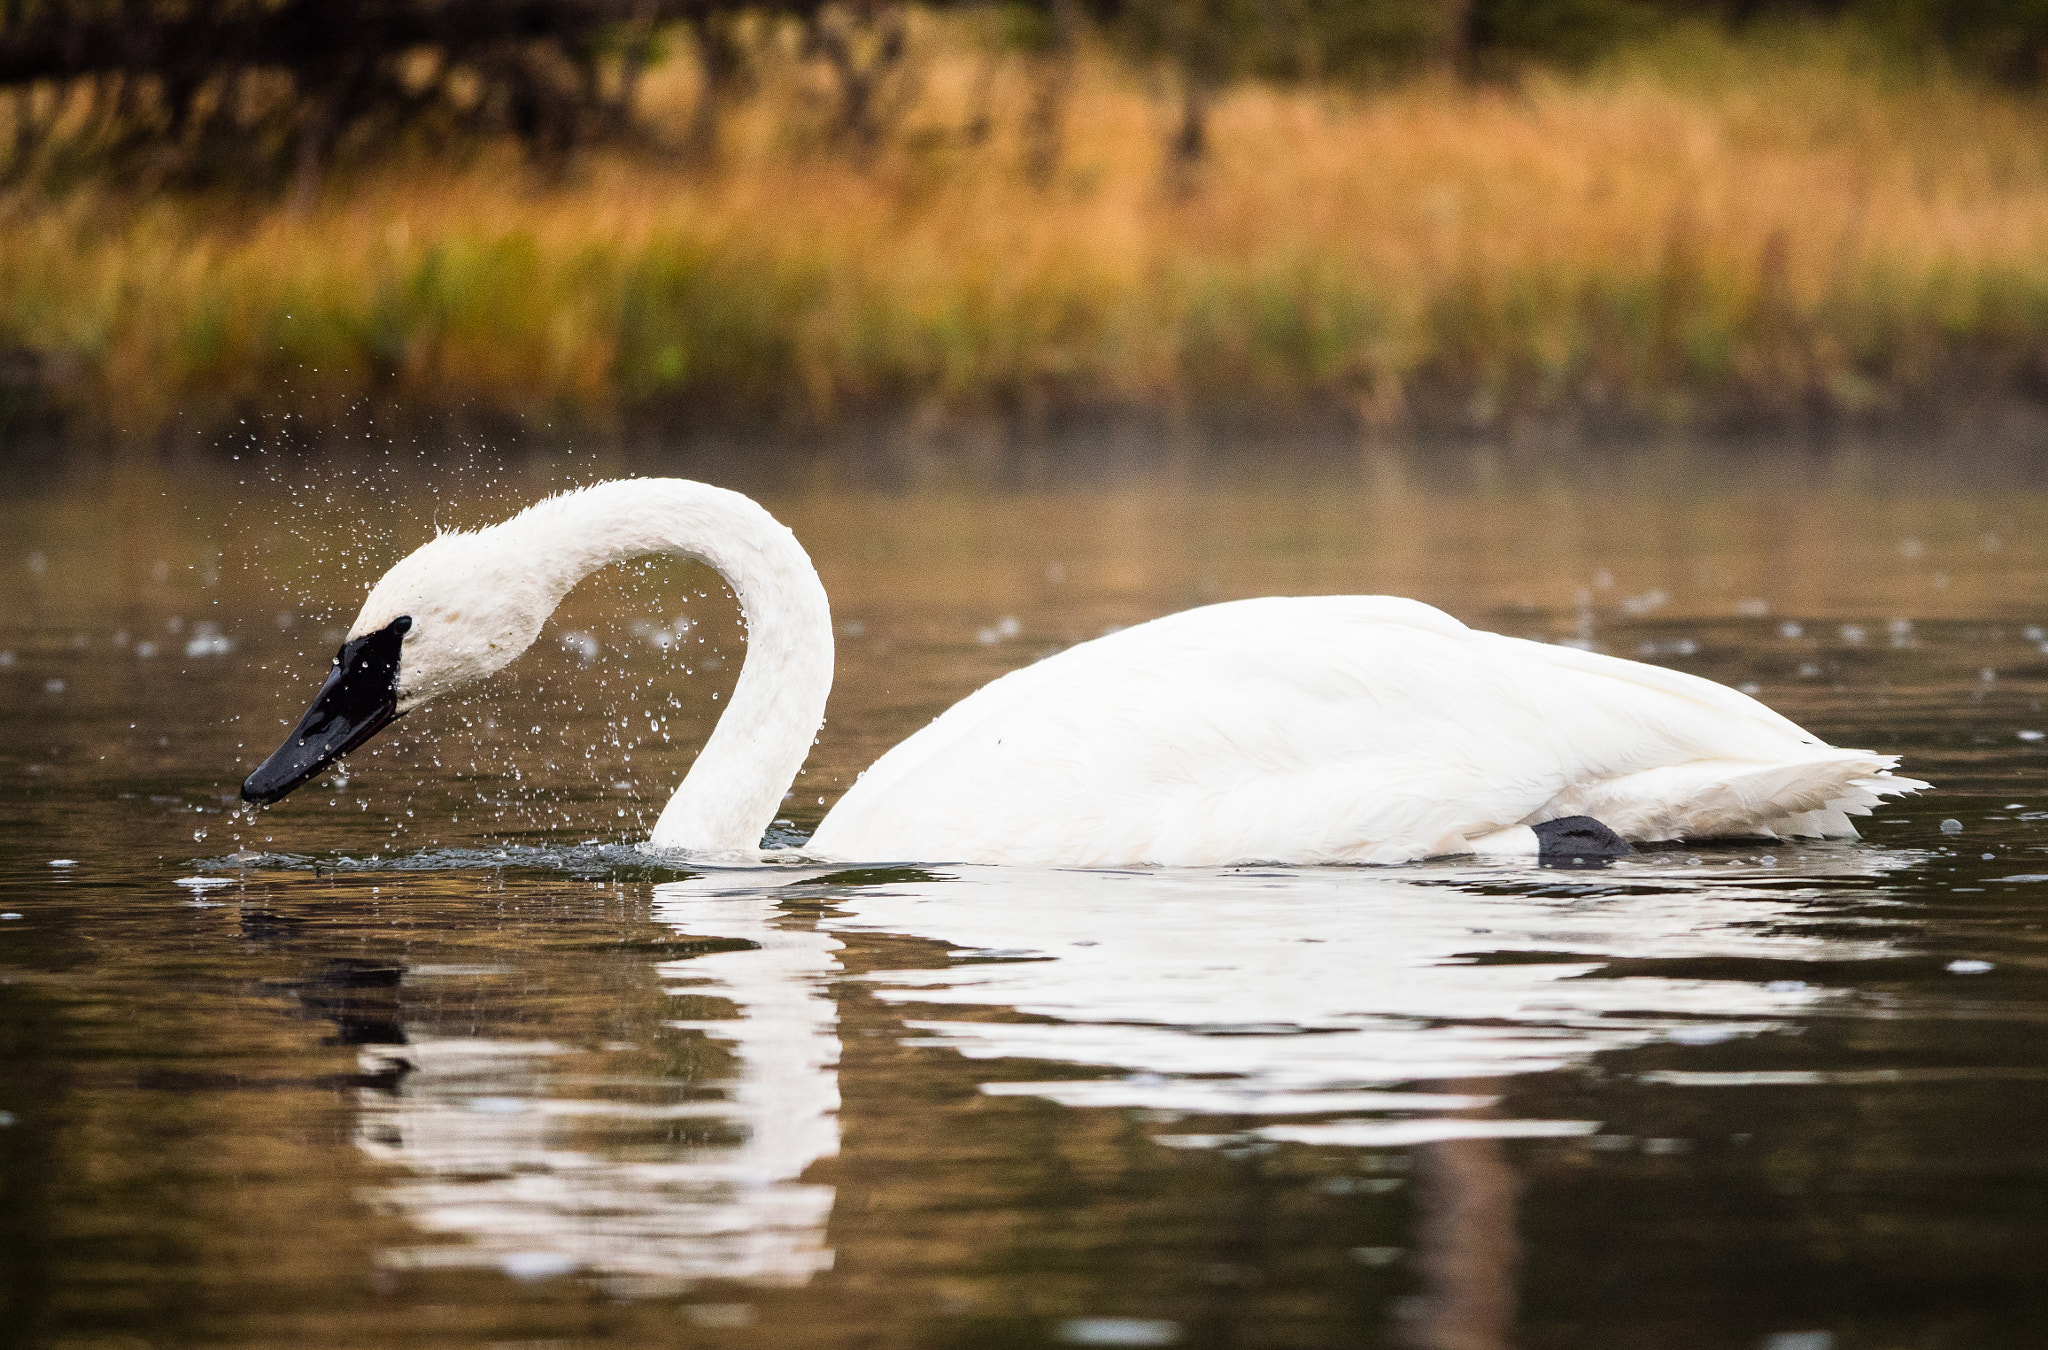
429 1055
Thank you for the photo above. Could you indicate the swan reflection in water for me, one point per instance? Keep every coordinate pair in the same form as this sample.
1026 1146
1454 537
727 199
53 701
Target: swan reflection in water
493 1150
1259 1004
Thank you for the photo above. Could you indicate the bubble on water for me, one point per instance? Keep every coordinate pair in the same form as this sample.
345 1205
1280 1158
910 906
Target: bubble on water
536 1265
1117 1331
202 883
1798 1340
1951 826
63 862
1967 966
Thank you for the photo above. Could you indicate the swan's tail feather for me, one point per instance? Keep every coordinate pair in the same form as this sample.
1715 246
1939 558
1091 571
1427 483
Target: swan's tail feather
1730 799
1832 821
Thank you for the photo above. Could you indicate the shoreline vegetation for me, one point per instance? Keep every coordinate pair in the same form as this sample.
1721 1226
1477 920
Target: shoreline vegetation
1698 230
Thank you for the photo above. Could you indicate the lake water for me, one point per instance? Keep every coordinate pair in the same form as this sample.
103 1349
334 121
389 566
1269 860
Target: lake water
430 1055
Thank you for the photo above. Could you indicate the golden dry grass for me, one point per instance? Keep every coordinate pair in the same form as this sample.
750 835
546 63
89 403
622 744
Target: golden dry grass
1702 229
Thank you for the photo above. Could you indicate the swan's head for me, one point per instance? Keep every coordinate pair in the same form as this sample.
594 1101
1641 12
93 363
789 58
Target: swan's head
461 607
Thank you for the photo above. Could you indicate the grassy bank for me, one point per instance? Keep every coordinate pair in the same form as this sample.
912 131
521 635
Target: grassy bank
1703 231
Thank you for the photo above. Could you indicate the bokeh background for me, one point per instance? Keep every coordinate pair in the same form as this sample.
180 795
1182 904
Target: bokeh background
634 216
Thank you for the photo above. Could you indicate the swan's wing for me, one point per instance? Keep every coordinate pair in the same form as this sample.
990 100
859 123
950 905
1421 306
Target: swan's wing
1336 728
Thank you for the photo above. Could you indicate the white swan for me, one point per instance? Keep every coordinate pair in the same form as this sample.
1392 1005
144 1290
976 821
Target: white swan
1322 729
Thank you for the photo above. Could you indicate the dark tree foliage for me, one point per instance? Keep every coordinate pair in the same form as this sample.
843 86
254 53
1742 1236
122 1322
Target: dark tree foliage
269 86
274 90
2007 39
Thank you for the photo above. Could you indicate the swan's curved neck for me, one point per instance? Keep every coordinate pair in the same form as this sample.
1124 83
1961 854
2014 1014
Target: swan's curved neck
731 794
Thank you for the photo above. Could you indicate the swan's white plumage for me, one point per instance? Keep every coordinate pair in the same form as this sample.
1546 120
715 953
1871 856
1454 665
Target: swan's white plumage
1310 729
1336 729
478 599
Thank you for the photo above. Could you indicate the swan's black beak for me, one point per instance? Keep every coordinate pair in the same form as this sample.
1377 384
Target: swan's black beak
359 700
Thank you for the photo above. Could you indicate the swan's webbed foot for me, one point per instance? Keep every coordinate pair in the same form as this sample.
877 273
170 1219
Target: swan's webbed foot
1577 841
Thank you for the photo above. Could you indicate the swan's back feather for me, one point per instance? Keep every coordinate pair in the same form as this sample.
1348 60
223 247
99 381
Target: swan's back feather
1334 729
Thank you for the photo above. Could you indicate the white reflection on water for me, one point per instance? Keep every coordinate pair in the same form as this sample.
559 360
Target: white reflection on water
1264 995
492 1151
1279 992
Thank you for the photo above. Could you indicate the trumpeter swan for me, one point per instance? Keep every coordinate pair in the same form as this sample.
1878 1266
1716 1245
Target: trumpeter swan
1316 729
